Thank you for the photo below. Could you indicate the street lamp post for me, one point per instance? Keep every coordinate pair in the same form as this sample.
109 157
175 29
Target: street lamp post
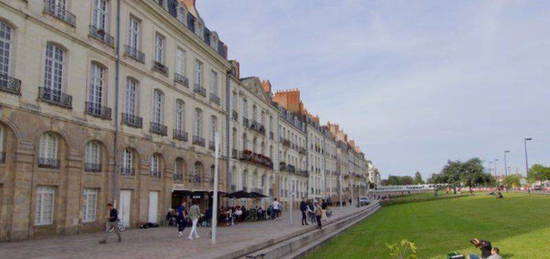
505 163
526 157
495 164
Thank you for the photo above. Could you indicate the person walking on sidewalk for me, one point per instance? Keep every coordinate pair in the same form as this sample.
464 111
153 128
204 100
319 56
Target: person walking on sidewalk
180 218
318 214
276 208
194 214
303 208
112 223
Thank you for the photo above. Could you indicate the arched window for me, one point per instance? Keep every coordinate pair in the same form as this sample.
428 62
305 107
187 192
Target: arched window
96 89
254 183
197 128
47 156
213 127
179 170
263 185
127 167
54 71
245 142
180 115
158 106
5 52
132 97
155 165
198 170
93 157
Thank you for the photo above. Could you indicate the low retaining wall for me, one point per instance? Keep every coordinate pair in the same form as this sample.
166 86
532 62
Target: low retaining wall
302 242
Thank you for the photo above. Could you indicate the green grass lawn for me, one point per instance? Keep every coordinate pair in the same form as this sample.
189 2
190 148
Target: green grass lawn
519 225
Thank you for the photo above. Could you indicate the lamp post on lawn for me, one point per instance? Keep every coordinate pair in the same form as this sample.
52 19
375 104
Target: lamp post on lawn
526 158
495 164
505 163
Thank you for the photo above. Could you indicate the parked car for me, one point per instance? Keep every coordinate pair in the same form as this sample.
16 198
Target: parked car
363 201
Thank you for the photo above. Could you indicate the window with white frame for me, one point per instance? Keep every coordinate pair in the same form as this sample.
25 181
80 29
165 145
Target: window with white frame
213 127
45 201
245 108
54 69
97 83
127 159
198 123
89 206
160 48
155 165
100 15
93 153
48 146
180 115
254 113
181 14
180 61
158 106
134 35
235 102
131 96
198 73
5 51
214 83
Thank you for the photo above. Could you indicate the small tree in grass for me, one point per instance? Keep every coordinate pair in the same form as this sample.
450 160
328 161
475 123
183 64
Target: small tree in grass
402 250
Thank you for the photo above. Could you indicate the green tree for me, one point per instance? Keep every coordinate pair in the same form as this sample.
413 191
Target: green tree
512 181
402 250
538 172
470 173
418 178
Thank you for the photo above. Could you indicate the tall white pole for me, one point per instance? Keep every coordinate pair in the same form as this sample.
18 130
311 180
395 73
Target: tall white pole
340 185
291 201
215 191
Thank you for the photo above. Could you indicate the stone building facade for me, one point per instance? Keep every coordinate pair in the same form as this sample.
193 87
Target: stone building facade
95 109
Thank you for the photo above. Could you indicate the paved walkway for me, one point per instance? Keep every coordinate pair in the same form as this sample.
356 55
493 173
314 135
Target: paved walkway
159 242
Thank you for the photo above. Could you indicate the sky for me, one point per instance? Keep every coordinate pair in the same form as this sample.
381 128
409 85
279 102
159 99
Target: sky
415 83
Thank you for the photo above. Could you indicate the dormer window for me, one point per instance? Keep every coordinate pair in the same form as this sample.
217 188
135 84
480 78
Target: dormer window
181 14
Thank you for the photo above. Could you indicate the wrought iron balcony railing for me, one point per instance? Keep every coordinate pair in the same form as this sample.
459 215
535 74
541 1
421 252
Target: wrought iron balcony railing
215 99
178 178
55 97
235 116
199 141
134 54
154 173
181 135
199 90
181 79
48 163
59 12
101 35
96 110
132 120
10 85
161 68
158 129
245 122
127 171
92 167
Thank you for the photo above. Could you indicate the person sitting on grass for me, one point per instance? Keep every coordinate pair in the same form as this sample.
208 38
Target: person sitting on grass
495 254
484 246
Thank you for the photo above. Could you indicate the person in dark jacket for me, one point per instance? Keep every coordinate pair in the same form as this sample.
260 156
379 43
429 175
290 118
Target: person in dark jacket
180 218
303 208
484 246
112 223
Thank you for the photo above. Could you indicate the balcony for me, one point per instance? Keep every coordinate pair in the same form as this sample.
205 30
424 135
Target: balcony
59 12
134 54
245 122
285 142
181 135
48 163
258 127
10 85
132 120
96 110
199 141
215 99
161 68
2 157
211 145
235 116
181 79
235 154
157 128
257 159
178 178
302 150
101 35
126 171
55 97
92 167
199 90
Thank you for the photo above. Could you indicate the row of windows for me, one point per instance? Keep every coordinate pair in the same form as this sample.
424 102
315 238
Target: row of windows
45 205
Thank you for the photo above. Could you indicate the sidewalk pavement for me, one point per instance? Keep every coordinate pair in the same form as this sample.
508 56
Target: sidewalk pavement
161 242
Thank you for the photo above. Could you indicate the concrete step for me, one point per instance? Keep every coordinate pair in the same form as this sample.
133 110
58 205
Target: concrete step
302 242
